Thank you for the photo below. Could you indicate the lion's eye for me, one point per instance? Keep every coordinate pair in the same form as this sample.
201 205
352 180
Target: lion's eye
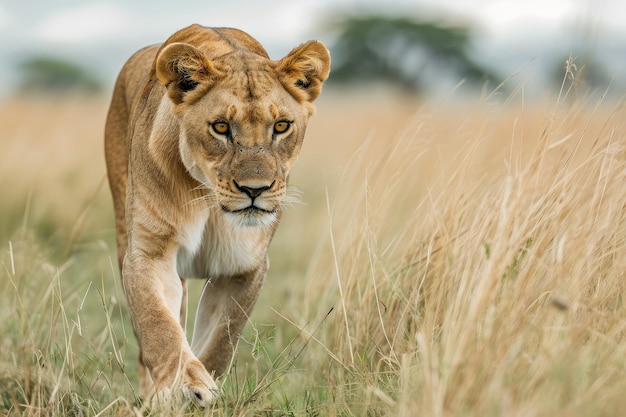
281 127
221 128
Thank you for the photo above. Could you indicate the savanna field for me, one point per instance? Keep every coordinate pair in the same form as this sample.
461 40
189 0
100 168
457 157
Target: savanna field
449 258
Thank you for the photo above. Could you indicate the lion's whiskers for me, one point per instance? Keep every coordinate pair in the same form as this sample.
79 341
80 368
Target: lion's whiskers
210 201
292 197
209 198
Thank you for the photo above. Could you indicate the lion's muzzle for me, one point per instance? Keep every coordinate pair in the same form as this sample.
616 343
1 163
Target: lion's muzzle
252 190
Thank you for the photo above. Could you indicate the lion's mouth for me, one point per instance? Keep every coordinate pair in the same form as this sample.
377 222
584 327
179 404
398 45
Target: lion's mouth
251 209
251 216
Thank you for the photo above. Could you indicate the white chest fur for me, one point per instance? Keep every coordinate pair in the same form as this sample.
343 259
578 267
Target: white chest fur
212 247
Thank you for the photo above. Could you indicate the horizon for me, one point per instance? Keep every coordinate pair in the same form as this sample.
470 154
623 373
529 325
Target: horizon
511 36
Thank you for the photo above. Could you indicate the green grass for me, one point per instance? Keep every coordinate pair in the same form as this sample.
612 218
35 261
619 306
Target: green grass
454 261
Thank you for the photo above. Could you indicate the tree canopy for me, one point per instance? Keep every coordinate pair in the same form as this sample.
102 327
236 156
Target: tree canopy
399 50
53 75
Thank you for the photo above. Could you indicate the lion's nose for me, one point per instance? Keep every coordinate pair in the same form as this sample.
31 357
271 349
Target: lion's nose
252 191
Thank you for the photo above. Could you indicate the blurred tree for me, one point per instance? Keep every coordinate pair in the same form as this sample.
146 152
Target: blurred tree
51 75
401 51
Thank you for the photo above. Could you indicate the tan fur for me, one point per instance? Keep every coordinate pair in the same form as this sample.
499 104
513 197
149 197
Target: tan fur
182 192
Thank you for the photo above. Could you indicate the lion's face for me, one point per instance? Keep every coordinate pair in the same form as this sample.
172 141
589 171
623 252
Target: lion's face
242 143
241 130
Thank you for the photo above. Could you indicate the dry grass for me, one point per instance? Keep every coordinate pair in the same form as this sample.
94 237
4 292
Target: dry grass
450 260
496 286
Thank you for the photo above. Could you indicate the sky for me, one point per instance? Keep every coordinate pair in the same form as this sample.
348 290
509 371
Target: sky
102 34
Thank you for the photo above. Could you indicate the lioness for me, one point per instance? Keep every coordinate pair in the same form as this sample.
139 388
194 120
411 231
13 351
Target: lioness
200 138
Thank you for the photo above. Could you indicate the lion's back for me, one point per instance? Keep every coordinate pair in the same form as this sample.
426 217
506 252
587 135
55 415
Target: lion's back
127 91
215 42
135 75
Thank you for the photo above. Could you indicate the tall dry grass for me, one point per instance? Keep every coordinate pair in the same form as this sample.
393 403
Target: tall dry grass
450 259
481 274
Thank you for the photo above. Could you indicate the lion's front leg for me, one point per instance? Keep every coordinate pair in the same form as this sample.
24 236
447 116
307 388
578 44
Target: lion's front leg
155 292
145 380
223 311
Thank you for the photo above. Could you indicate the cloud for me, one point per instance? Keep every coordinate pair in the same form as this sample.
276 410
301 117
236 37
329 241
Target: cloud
4 16
87 23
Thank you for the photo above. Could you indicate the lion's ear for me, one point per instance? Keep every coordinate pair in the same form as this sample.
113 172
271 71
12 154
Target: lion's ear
304 70
181 68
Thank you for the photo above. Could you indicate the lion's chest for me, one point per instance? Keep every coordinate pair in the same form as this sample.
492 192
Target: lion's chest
210 248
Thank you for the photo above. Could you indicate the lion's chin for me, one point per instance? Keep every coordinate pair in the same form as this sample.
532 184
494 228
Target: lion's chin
251 217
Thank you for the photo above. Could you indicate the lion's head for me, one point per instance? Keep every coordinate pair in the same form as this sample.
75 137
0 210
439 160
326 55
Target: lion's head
242 119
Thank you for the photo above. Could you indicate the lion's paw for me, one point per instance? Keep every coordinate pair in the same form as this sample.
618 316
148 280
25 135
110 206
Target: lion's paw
195 385
198 386
202 396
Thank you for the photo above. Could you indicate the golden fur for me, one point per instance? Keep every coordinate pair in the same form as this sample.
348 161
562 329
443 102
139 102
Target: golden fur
201 135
